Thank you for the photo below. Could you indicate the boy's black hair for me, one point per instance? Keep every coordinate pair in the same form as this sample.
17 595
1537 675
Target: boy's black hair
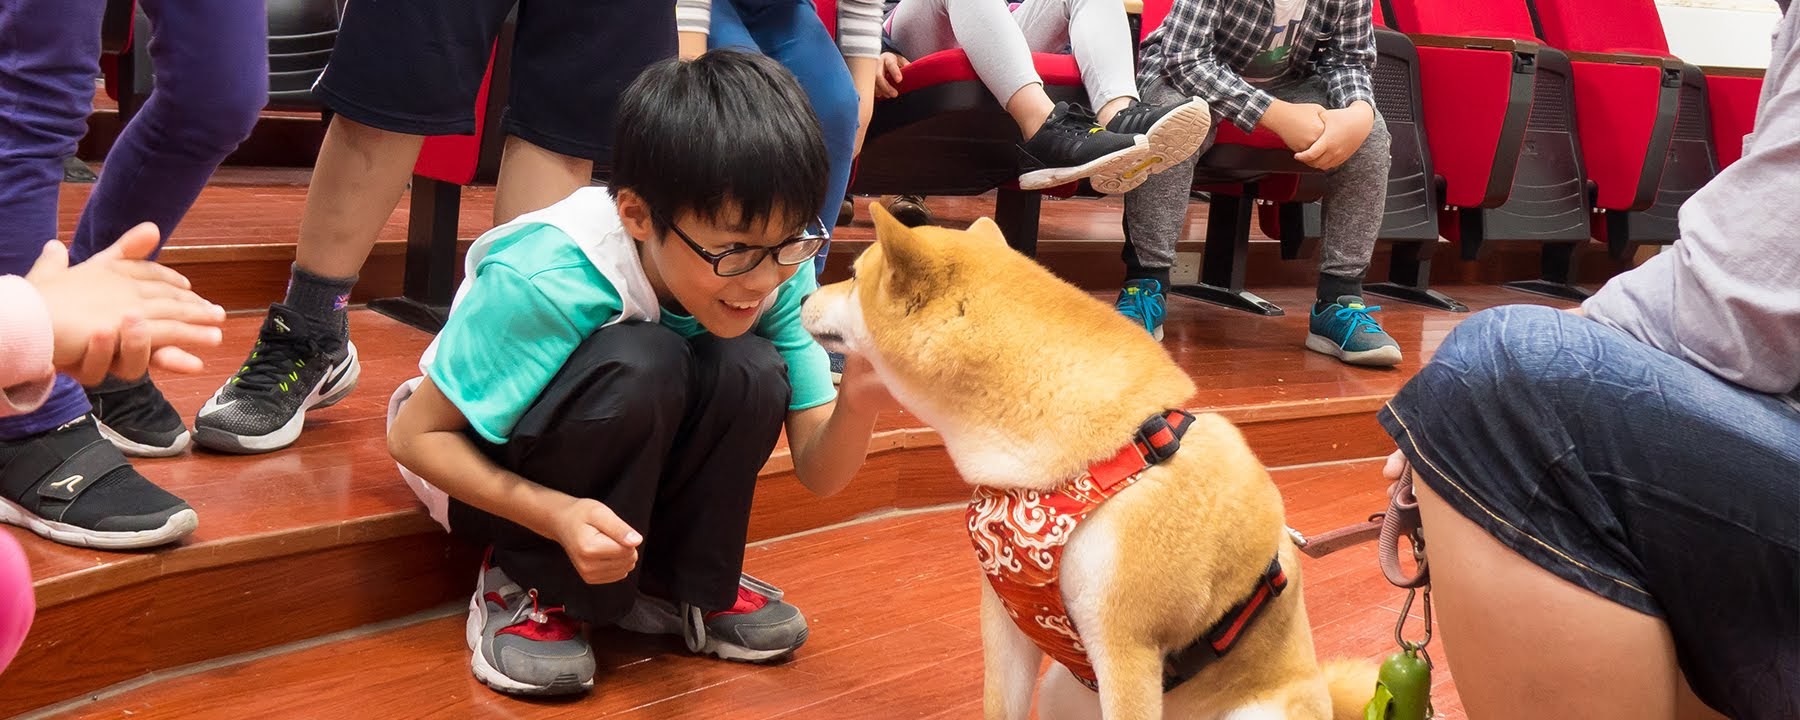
728 130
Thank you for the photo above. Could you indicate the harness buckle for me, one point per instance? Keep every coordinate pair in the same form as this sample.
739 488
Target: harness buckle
1158 439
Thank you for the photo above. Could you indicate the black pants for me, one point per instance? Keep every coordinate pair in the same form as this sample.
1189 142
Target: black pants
667 431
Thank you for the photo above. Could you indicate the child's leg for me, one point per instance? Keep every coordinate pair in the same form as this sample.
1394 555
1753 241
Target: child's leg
601 429
212 78
986 31
794 36
17 603
734 416
47 70
1098 34
1355 195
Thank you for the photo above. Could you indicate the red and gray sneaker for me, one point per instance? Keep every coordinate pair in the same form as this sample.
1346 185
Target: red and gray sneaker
759 628
520 647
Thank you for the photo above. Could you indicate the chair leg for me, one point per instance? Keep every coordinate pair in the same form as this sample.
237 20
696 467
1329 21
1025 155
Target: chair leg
1227 257
1409 279
1016 212
429 283
1557 277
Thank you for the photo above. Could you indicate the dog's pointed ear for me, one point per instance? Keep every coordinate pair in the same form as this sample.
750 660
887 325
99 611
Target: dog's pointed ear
985 228
909 265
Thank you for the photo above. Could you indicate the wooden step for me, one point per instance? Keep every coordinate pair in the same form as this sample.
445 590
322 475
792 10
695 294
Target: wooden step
237 244
893 604
302 543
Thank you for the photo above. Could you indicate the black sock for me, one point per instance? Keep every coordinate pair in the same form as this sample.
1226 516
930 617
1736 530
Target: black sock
321 299
1332 287
1160 275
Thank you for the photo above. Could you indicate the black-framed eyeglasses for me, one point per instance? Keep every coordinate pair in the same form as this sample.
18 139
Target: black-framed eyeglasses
737 261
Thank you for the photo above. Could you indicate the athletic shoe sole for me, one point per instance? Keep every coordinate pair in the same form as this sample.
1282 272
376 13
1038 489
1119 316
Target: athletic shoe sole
1172 139
132 448
321 397
499 682
1103 172
178 526
1384 356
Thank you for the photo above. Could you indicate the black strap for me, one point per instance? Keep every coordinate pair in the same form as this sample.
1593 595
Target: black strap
40 468
1182 665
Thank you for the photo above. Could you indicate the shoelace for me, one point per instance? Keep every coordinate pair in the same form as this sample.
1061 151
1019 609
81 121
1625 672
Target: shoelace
1358 316
547 623
1131 302
276 362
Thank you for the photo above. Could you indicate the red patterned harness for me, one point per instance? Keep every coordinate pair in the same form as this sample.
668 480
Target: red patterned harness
1019 536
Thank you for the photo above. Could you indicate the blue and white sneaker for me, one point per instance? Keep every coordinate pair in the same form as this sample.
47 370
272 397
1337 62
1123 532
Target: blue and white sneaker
1345 330
1142 301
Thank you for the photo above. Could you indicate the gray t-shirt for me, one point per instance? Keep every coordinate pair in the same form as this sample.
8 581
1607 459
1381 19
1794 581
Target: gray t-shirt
1726 296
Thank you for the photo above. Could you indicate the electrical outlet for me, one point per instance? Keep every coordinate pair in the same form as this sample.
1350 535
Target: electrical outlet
1186 270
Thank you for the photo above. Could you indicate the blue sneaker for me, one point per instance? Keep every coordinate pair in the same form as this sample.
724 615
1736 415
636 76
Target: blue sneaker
1142 301
1345 331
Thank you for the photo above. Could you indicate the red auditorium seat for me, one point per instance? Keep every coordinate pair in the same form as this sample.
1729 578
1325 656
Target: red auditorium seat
1626 36
1500 119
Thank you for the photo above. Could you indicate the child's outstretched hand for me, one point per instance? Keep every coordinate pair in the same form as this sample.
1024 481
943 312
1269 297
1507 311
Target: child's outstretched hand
602 547
863 388
118 313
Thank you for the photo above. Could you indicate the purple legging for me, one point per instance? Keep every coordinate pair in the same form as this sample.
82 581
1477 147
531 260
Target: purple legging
212 78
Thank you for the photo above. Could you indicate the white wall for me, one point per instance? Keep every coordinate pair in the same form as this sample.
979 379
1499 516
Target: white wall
1730 33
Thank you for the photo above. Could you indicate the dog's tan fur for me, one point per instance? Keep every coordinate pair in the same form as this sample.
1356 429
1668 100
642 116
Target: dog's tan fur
1029 380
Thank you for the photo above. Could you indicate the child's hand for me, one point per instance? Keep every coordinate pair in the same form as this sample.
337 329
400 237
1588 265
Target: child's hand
887 83
863 388
118 313
1298 124
1345 131
602 547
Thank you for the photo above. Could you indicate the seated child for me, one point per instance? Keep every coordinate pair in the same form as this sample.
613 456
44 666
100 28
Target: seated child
617 368
1063 142
1301 69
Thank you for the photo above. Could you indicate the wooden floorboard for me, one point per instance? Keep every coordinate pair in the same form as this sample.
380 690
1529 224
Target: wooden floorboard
893 604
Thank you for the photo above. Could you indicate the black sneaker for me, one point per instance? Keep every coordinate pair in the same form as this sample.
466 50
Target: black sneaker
72 486
137 419
296 366
846 212
1071 146
1174 132
910 210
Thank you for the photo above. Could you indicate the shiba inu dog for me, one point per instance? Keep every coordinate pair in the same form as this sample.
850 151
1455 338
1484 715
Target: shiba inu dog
1144 549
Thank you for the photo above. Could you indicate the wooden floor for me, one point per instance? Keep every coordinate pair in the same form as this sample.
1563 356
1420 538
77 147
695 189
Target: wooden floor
323 540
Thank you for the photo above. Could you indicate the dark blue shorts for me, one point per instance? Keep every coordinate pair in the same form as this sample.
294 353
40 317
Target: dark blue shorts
1630 473
415 66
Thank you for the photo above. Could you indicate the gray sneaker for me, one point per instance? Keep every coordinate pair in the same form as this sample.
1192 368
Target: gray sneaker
520 648
759 628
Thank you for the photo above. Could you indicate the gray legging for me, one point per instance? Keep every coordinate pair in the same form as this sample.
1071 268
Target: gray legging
1000 43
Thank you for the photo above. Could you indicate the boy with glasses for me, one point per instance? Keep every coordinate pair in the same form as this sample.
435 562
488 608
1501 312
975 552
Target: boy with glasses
617 368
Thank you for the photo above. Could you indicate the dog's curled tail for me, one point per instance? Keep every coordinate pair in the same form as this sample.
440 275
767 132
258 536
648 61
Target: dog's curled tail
1352 683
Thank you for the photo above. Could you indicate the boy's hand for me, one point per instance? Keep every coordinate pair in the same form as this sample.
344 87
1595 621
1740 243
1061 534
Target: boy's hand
1298 124
602 547
1345 131
887 83
862 388
118 313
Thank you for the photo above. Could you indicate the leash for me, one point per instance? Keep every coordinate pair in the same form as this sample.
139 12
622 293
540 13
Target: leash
1403 690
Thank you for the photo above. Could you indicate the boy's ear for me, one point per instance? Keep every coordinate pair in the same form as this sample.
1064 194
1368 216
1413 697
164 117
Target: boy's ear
985 227
634 214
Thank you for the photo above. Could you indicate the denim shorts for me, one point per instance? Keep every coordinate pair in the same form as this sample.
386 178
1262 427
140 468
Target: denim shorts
1630 473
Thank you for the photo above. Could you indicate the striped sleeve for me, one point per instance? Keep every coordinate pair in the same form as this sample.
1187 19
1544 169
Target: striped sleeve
693 16
859 28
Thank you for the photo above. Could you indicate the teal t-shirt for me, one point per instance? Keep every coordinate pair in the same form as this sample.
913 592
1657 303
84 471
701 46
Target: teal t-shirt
535 297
